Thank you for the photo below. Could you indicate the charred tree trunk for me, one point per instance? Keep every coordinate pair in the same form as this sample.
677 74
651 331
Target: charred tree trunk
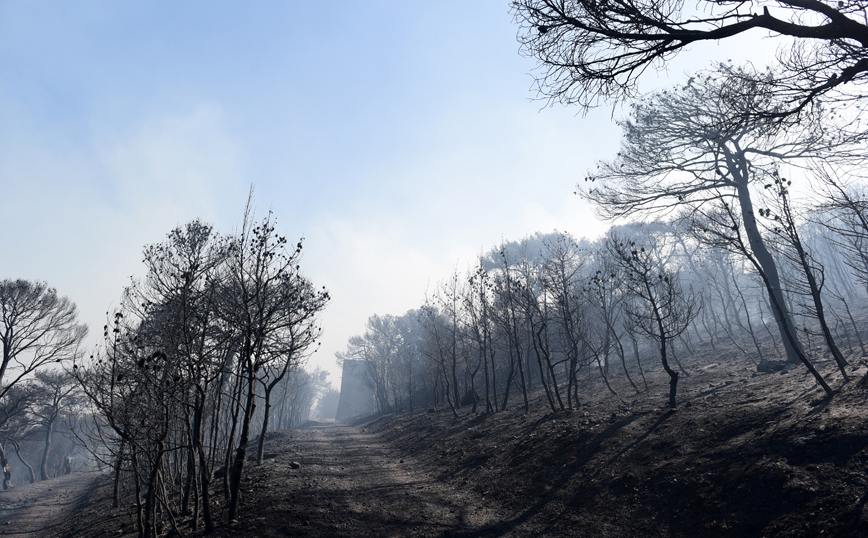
622 355
673 375
203 472
205 483
237 468
117 475
542 378
818 307
233 425
26 464
46 452
772 279
150 527
448 390
137 481
260 453
791 337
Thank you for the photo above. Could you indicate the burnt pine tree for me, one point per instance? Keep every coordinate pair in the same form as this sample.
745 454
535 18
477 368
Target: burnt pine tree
657 304
509 317
295 344
175 306
784 223
263 291
689 148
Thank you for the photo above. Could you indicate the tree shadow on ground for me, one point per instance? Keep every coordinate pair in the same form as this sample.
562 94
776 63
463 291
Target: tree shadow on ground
663 418
567 473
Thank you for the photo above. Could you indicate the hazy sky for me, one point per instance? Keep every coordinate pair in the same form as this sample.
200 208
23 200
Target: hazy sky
399 138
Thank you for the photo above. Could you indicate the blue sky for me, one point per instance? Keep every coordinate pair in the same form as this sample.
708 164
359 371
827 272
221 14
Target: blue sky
399 138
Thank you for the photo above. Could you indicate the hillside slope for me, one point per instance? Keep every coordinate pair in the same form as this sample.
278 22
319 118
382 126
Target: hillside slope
746 454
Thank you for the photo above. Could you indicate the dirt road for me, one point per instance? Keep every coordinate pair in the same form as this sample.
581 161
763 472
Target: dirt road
37 510
330 481
349 484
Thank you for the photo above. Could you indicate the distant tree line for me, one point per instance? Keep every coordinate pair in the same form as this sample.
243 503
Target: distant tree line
731 251
549 311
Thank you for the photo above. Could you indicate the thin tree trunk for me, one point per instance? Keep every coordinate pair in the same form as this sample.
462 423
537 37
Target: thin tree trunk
620 351
542 377
43 468
137 481
814 288
151 493
673 375
791 337
241 452
230 445
772 280
26 464
260 454
117 475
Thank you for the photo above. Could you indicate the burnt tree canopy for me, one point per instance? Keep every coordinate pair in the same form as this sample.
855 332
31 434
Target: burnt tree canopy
657 304
590 50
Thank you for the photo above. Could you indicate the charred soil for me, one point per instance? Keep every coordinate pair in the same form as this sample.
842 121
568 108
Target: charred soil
746 454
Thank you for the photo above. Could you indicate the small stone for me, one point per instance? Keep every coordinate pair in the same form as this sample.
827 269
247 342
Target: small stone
294 465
